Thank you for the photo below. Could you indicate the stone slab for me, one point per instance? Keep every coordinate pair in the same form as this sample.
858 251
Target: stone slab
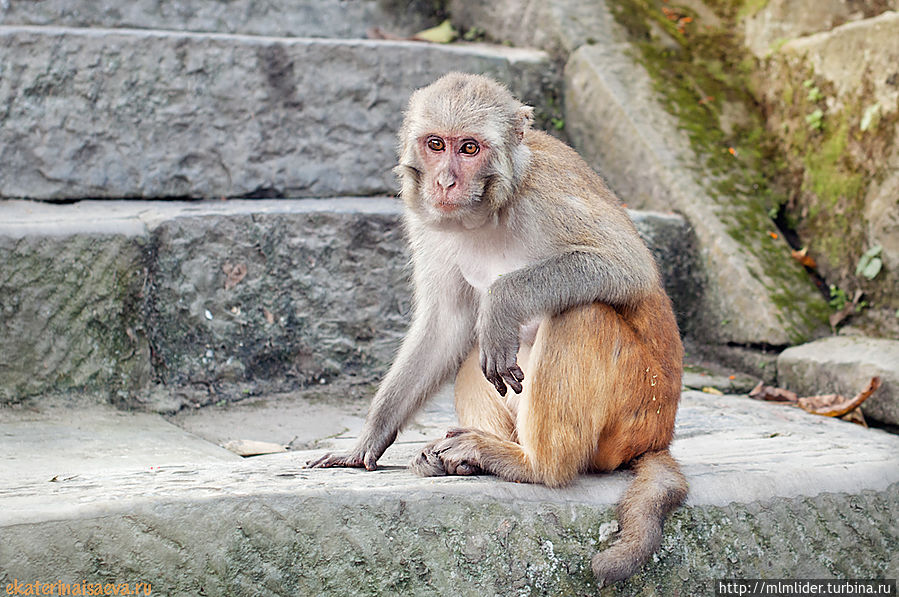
136 295
275 18
775 492
60 442
559 27
615 121
119 113
844 365
778 21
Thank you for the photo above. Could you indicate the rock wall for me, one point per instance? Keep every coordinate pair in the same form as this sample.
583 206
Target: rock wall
833 101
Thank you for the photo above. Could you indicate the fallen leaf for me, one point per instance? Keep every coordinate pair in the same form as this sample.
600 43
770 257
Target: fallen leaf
848 309
772 394
441 34
711 390
804 258
249 447
835 405
234 273
773 235
855 416
269 317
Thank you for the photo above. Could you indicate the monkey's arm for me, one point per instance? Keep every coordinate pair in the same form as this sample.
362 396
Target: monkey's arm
550 286
440 335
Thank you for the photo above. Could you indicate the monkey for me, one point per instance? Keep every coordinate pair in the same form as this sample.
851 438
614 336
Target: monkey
529 275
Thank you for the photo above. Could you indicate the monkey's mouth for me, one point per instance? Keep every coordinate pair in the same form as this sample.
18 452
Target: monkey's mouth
447 206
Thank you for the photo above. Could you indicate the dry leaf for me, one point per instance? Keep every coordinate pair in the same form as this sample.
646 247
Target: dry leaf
804 258
234 273
772 394
711 390
855 416
835 405
269 317
248 447
441 34
836 318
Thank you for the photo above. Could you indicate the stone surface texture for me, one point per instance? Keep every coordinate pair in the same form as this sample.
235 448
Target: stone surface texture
855 68
69 313
270 18
98 113
325 295
787 494
614 121
559 27
778 21
844 365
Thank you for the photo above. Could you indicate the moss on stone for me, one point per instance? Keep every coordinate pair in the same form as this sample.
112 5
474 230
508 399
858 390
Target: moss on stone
704 76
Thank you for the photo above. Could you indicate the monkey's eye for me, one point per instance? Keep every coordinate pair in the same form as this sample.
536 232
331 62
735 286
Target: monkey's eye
469 148
436 144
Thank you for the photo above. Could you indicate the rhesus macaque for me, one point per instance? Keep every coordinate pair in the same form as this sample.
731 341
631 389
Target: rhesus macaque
529 275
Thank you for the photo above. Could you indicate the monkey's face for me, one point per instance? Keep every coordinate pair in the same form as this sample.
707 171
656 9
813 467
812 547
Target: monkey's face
454 172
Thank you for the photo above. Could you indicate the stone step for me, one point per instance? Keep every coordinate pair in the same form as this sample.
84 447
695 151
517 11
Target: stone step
844 365
132 299
113 113
272 18
774 493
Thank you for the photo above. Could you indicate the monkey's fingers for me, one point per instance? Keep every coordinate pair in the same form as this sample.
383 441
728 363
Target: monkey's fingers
370 461
336 460
492 373
514 376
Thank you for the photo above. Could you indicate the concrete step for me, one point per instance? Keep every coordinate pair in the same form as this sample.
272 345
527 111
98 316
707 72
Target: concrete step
118 113
273 18
774 493
131 298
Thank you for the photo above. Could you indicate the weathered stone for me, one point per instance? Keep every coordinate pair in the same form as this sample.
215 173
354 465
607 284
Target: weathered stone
69 313
844 365
190 303
854 54
777 500
126 113
833 100
276 18
559 27
325 295
57 440
778 21
615 121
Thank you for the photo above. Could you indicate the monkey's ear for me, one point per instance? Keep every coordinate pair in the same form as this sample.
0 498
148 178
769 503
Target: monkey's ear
523 119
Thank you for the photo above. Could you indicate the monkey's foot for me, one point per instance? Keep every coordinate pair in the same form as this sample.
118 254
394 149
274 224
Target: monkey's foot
456 454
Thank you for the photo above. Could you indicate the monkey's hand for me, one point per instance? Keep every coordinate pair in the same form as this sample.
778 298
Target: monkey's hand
365 454
355 459
498 337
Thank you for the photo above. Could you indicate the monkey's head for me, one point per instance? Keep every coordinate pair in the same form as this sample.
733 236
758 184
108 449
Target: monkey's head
462 150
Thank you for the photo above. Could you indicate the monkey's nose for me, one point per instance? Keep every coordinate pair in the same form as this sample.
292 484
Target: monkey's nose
446 182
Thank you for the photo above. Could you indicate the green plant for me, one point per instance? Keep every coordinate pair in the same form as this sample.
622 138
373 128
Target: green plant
815 120
869 263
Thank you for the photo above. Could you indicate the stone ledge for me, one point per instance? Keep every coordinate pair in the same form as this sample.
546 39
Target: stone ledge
278 18
844 365
775 492
325 295
185 115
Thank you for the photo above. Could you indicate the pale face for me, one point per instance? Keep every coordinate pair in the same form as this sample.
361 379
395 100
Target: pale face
453 174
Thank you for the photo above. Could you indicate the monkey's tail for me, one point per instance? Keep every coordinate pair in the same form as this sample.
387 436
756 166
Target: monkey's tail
657 490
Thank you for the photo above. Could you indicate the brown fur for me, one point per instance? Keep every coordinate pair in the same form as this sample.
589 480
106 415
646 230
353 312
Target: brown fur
603 392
